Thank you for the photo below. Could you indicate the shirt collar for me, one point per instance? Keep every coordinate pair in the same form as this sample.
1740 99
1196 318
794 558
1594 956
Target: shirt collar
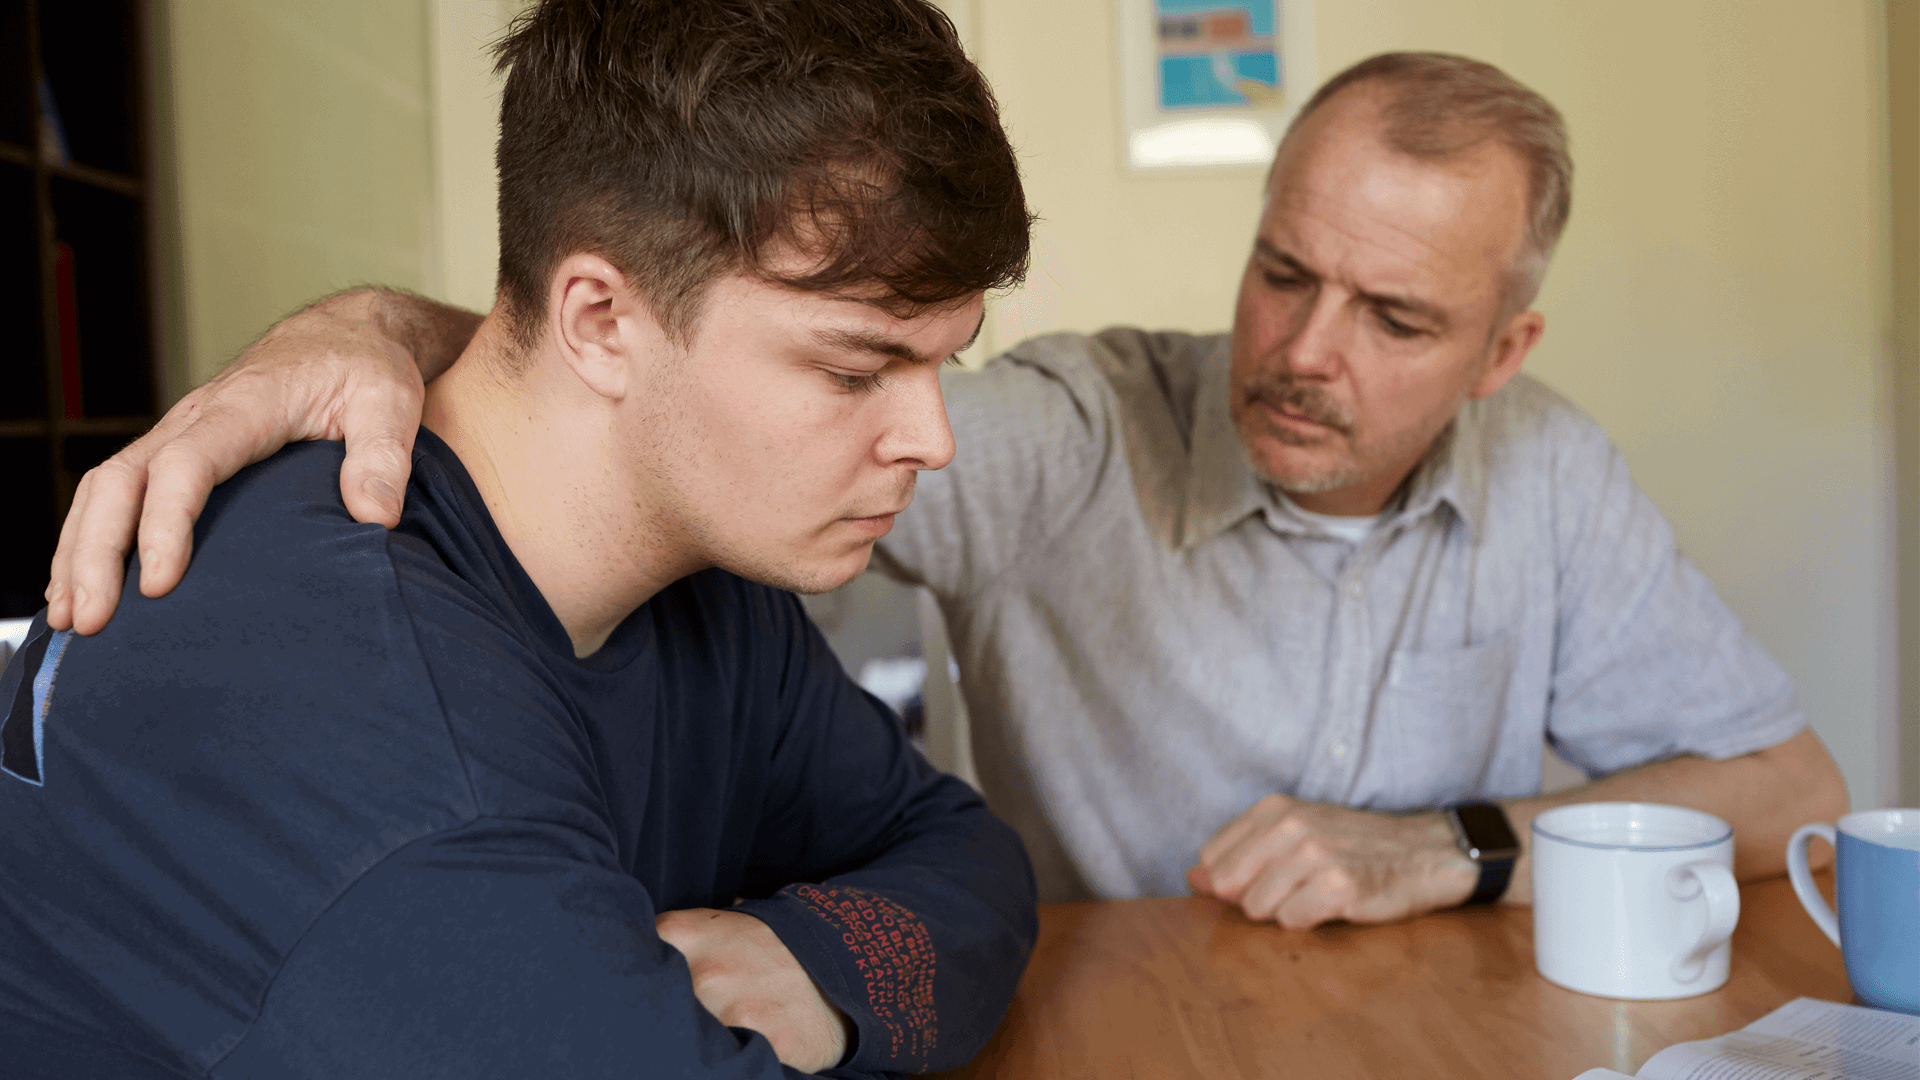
1454 473
1222 489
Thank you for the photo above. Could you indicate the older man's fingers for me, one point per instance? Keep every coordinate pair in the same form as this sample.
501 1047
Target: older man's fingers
178 484
224 437
59 606
1281 875
1328 893
1233 833
59 594
1237 868
102 522
379 424
89 562
1200 881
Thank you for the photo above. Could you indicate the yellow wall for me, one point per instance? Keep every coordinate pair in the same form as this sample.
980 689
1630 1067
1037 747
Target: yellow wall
302 140
1903 86
1720 302
466 122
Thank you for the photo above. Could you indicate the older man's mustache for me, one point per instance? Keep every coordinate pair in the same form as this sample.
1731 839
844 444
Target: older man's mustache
1295 397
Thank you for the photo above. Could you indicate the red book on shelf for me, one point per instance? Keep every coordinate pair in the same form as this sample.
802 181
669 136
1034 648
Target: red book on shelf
69 330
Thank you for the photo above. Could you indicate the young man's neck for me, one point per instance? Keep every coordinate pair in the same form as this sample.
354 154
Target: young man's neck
543 450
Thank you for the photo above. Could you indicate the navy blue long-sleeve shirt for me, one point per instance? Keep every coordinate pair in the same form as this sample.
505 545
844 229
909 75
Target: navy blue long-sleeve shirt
346 804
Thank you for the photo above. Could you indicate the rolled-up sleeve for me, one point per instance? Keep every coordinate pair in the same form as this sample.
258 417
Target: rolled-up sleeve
1649 663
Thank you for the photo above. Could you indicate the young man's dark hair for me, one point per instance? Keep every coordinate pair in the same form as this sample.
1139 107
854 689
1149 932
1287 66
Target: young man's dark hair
682 139
553 779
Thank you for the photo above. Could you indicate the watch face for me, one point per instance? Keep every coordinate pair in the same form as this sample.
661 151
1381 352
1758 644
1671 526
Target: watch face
1487 831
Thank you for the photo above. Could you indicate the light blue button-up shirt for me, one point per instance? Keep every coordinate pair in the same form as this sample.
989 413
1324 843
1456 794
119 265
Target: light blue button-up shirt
1150 640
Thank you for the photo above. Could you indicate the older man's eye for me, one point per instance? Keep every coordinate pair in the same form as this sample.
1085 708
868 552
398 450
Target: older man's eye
1397 328
1281 281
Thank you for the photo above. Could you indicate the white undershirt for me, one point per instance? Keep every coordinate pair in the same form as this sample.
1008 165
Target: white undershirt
1354 530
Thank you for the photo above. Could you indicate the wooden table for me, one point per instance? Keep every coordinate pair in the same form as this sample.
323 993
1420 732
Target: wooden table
1176 988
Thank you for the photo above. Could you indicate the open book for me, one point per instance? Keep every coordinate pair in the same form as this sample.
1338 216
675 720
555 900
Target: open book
1801 1040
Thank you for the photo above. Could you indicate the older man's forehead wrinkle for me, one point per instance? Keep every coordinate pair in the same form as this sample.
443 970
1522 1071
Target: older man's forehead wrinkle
1371 293
1427 254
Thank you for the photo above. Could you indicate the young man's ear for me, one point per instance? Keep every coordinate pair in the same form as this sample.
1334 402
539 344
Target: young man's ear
600 329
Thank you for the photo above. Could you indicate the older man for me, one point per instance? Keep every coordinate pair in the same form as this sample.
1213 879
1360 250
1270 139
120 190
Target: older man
1285 616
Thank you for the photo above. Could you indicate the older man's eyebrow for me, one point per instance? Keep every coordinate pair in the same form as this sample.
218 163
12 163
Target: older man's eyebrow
1269 253
1414 306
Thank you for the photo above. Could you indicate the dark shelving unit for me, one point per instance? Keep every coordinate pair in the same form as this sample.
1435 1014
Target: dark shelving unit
78 371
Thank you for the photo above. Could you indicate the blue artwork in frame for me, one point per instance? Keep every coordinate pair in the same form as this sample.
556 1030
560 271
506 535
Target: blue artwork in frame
1217 54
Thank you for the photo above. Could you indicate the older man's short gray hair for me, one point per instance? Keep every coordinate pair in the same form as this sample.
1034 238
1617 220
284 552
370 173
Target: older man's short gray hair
1439 106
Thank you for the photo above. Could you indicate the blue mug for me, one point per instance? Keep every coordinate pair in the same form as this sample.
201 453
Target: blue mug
1877 877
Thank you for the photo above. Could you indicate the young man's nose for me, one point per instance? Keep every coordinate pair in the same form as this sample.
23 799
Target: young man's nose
917 430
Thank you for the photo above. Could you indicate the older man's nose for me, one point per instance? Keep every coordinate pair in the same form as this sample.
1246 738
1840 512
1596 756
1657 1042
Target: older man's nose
1313 348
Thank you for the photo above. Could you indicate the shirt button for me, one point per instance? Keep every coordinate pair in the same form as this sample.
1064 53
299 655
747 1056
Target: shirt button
1338 749
1356 590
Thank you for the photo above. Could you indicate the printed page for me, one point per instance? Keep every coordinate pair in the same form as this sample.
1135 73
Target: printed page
1873 1031
1801 1040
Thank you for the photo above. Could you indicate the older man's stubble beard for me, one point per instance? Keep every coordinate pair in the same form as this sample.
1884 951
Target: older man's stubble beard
1281 391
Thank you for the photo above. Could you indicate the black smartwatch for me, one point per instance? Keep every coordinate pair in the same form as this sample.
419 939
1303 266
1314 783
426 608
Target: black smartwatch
1482 832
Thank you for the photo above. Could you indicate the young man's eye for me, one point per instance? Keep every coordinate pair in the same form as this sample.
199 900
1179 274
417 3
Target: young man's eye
859 383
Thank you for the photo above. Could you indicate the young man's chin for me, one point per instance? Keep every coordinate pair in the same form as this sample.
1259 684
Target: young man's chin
816 574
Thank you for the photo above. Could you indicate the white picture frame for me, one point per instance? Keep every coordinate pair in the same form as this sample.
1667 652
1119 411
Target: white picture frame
1211 83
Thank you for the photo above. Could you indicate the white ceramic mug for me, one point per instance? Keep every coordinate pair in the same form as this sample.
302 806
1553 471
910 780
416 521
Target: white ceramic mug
1633 900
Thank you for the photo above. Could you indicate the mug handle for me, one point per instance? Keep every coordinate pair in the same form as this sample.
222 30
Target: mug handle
1803 886
1689 880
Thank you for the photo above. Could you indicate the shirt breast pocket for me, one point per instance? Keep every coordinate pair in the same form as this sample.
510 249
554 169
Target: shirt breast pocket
1443 712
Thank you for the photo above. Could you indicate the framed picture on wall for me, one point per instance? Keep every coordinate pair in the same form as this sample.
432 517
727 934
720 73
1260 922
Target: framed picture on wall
1211 83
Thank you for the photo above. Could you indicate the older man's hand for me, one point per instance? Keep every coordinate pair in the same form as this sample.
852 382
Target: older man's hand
744 974
1302 864
349 367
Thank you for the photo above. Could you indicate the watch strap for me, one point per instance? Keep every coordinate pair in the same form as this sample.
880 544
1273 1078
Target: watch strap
1494 876
1496 873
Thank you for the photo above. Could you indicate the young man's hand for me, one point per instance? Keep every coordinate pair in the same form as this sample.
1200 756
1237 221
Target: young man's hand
349 367
744 975
1301 864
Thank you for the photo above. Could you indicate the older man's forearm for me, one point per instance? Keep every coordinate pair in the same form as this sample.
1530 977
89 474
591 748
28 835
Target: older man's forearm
1764 795
434 333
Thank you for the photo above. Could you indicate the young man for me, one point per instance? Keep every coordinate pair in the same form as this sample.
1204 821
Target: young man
1254 613
552 780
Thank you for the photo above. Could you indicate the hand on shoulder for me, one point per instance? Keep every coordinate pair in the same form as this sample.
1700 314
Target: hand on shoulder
343 368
